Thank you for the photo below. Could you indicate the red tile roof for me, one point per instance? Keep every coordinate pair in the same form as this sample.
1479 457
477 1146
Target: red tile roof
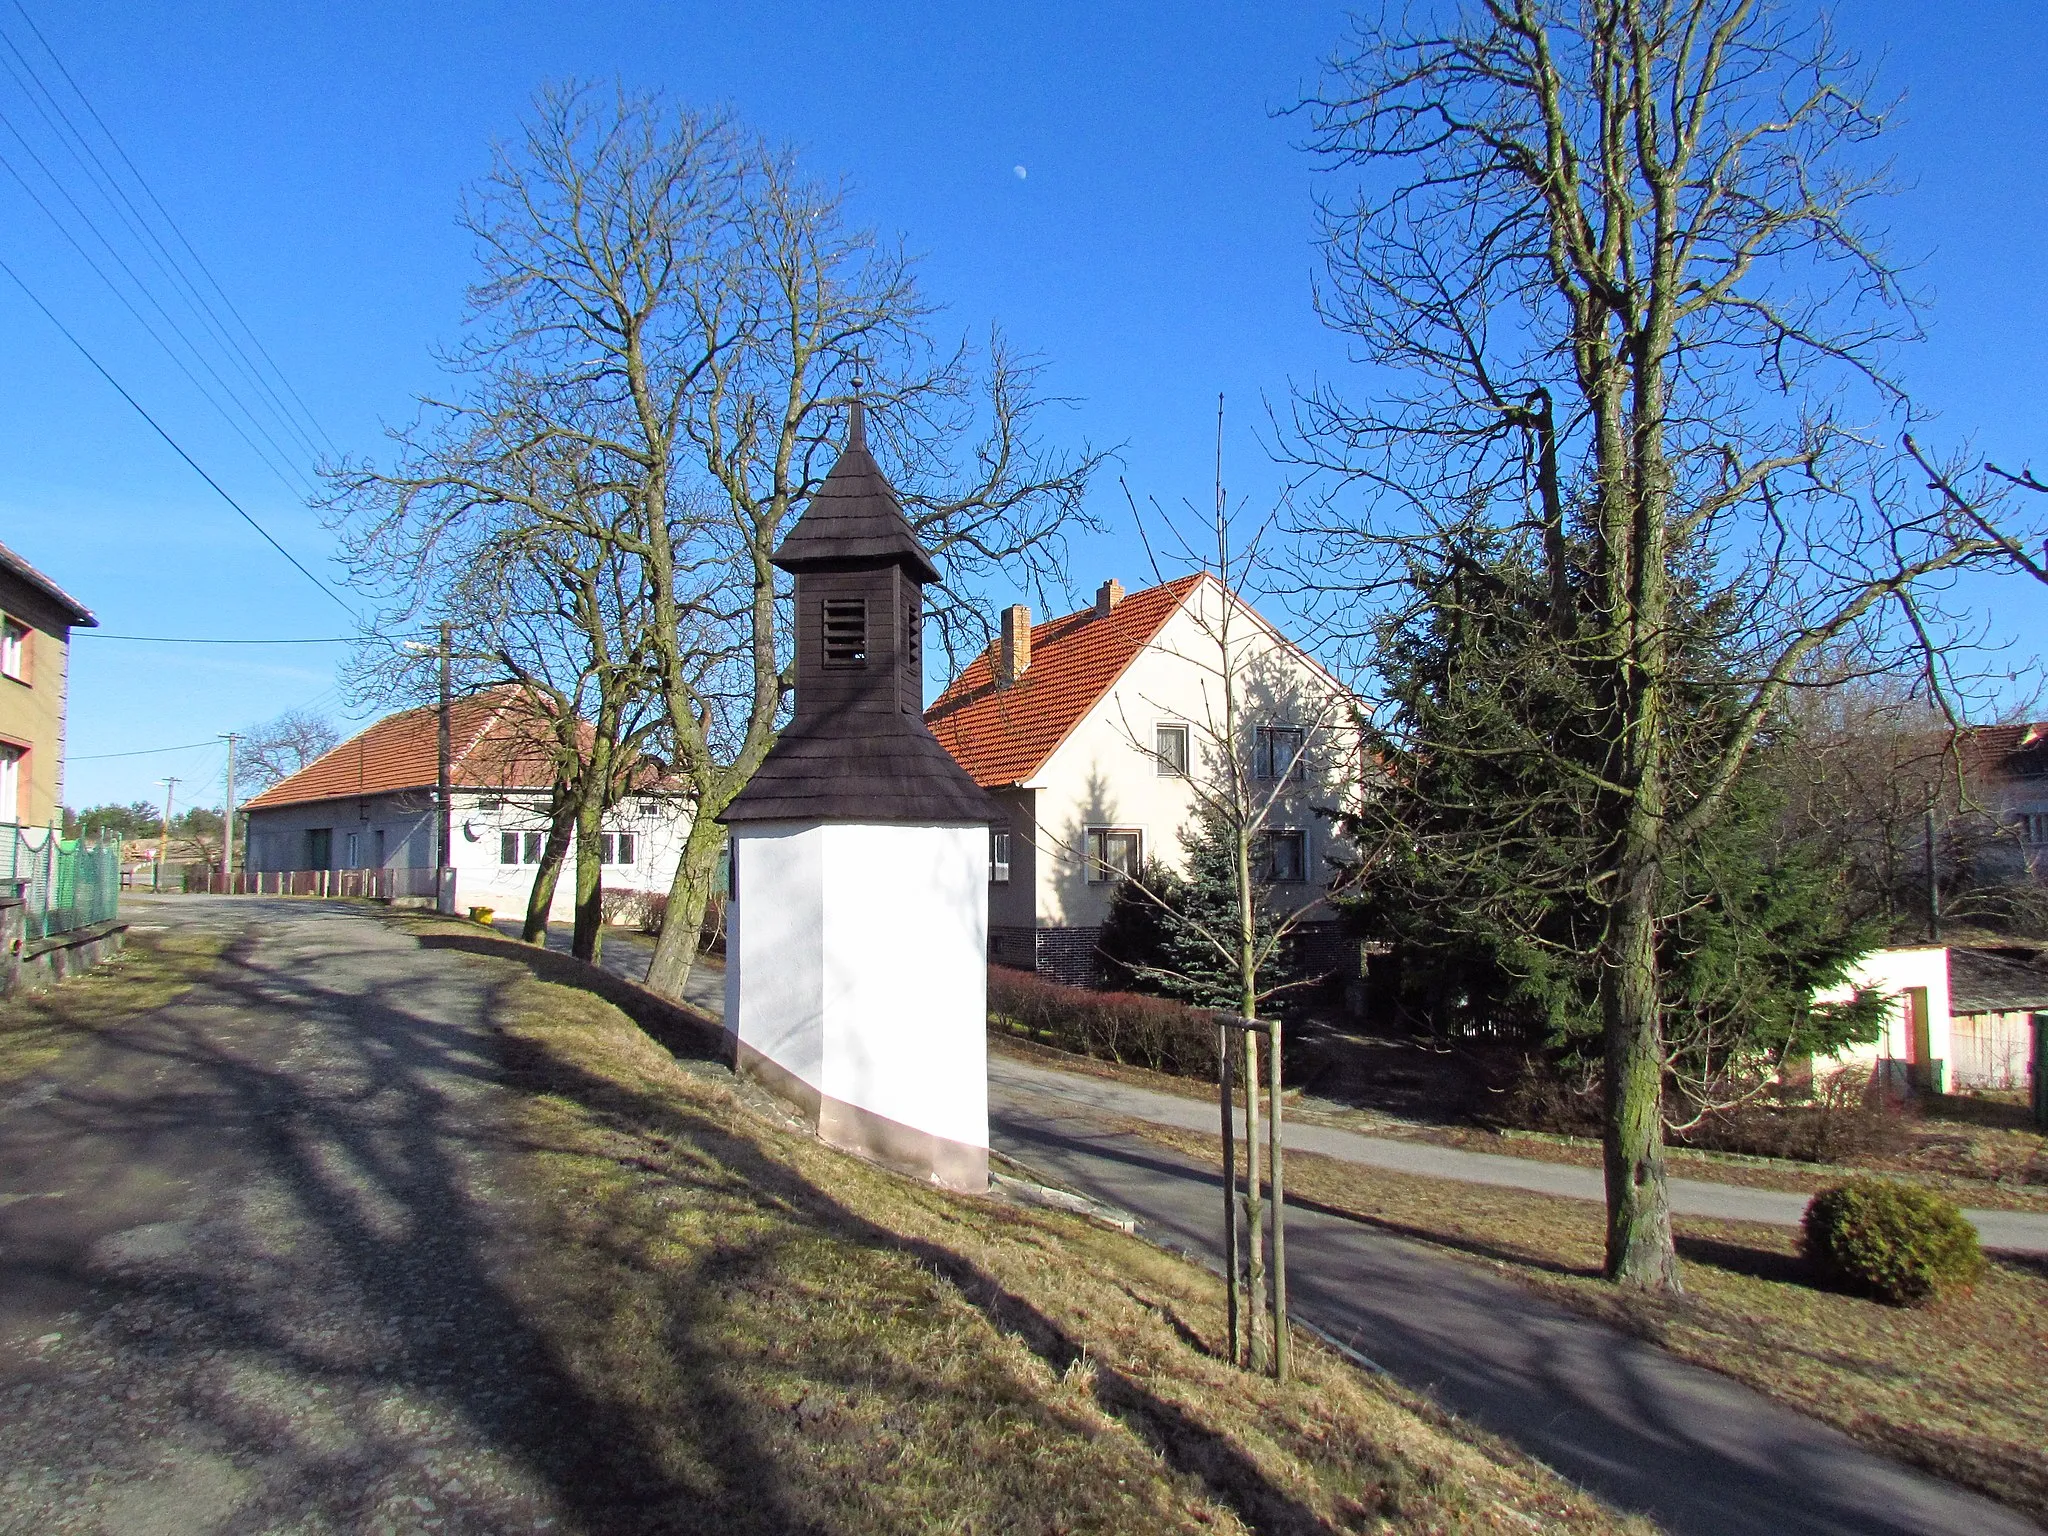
1004 735
493 743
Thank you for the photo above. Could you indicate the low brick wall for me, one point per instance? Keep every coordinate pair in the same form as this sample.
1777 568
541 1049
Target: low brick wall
31 965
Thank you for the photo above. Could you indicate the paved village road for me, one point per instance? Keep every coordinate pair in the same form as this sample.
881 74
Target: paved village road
256 1272
1693 1449
2011 1231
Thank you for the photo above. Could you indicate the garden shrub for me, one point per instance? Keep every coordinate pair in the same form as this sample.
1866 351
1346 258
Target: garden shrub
1897 1242
1125 1027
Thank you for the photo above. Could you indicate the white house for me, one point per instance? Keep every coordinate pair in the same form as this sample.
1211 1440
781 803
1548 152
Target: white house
368 805
1914 1048
1094 732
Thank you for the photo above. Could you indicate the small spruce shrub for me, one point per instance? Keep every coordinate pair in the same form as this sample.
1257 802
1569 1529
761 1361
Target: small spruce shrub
1897 1242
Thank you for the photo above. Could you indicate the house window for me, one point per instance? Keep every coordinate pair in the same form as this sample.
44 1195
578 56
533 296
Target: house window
1114 853
14 650
10 783
1284 857
508 847
998 857
534 842
355 852
615 847
319 847
1170 751
1276 752
2034 827
846 632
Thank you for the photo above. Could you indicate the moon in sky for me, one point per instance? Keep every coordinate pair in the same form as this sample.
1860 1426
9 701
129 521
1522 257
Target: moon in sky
1019 170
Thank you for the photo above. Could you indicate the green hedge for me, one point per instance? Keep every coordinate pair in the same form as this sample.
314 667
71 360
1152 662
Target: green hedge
1897 1242
1126 1027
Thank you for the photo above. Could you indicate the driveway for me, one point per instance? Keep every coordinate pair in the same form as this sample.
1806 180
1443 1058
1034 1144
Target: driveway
256 1273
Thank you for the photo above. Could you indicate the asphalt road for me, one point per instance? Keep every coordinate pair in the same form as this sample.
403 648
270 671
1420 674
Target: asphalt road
2011 1231
257 1272
1694 1450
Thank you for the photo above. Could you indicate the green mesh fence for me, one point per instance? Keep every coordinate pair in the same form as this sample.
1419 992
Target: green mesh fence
62 883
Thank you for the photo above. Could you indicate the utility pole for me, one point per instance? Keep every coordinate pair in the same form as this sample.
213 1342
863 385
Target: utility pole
227 830
1933 886
444 876
163 839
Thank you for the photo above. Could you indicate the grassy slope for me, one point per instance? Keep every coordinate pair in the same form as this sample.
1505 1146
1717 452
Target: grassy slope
1960 1388
801 1341
151 969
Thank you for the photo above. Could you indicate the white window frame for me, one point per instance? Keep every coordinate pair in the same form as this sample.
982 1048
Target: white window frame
11 759
508 850
14 644
531 846
1100 870
1163 761
998 856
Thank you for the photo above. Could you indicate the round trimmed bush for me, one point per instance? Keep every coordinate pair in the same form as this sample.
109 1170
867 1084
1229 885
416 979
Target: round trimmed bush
1897 1242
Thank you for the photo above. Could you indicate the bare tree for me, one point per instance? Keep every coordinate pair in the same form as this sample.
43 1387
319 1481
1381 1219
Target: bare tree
279 748
493 524
673 300
1611 258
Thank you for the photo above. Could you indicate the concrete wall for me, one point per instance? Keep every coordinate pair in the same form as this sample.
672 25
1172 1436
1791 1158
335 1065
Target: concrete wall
278 841
32 709
1105 773
856 986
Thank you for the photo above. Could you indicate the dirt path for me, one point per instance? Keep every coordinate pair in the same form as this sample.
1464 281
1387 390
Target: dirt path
254 1272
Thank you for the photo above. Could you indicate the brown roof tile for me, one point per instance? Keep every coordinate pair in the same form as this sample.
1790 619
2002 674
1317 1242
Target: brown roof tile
1005 735
494 743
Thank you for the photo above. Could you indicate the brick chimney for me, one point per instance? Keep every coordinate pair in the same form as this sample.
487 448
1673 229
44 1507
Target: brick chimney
1107 596
1014 658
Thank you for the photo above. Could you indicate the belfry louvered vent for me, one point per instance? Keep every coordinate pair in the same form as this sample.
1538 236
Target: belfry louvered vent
846 631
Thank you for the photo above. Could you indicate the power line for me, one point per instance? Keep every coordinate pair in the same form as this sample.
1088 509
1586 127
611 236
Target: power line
95 634
181 453
96 757
149 192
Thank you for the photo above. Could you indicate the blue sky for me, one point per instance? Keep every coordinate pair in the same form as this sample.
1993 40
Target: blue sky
1156 252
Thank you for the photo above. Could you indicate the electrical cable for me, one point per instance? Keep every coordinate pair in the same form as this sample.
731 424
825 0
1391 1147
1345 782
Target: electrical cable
171 223
116 197
96 757
181 453
96 634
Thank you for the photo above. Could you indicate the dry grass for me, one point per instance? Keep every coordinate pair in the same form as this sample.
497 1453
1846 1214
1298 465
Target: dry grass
802 1341
151 969
1979 1149
1959 1388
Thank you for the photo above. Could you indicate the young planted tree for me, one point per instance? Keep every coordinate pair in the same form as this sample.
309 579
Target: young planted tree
1266 738
1611 260
682 304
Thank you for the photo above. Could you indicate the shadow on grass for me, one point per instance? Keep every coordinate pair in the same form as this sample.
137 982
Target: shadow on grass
1756 1263
1991 1114
1190 1447
675 1027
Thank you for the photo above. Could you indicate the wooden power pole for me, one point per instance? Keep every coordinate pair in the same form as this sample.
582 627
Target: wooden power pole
163 838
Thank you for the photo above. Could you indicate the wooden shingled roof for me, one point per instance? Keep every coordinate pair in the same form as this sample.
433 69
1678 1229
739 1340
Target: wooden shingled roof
854 518
494 743
1003 736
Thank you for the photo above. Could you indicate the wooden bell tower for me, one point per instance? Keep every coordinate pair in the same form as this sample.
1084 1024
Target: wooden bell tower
857 936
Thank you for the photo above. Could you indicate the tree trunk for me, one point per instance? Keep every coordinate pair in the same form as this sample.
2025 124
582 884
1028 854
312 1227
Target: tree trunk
541 899
587 937
675 953
1639 1249
1248 1008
